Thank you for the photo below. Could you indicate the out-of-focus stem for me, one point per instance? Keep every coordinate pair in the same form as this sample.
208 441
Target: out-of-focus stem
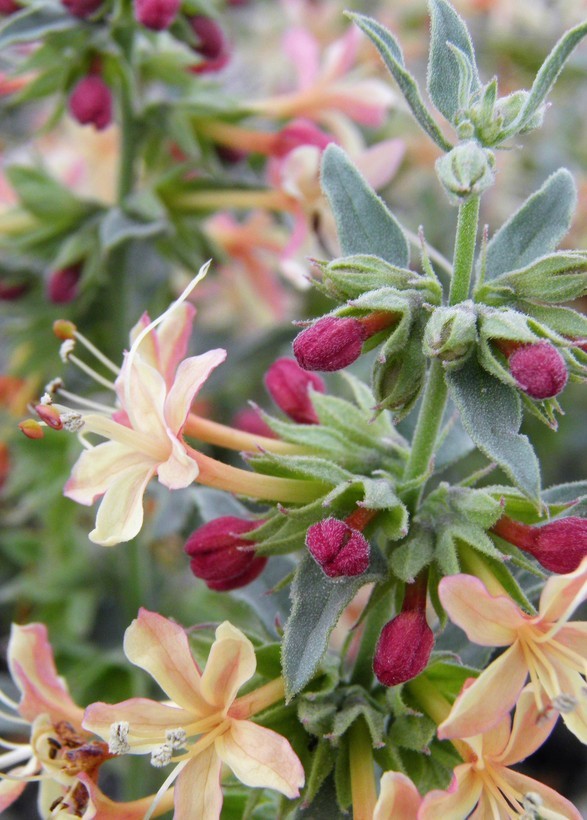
363 788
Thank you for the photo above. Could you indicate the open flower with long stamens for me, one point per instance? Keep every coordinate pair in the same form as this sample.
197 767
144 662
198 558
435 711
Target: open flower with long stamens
484 783
545 647
205 725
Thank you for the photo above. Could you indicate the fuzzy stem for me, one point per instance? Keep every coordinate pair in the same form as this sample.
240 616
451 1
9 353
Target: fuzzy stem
212 432
464 250
362 772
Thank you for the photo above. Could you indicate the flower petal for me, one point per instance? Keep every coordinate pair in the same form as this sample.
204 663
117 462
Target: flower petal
197 789
458 800
380 162
530 729
554 806
574 636
562 594
303 52
120 515
95 470
487 620
149 348
10 790
103 806
148 721
231 663
191 375
482 705
180 469
398 798
261 758
161 648
573 684
173 335
32 666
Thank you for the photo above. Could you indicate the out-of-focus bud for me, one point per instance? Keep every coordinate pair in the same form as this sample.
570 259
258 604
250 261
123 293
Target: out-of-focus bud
212 44
90 102
339 548
403 648
299 132
11 292
289 387
62 285
220 557
156 14
31 429
539 369
466 170
9 7
250 421
330 344
559 546
82 8
451 333
64 329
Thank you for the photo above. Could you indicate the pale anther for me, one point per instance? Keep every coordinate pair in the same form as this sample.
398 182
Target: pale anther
46 399
161 756
118 741
72 421
66 349
175 737
53 386
565 703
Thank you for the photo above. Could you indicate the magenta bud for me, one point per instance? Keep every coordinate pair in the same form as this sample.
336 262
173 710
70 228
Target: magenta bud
559 546
211 39
338 549
330 344
156 14
539 369
222 559
250 421
90 102
82 8
62 286
297 133
9 7
11 292
403 648
289 387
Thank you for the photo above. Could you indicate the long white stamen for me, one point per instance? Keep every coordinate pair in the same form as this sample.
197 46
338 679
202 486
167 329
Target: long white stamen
16 756
97 353
164 787
92 405
8 701
91 372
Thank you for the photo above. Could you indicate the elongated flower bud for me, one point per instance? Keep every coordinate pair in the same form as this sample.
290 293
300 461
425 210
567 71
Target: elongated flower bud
82 8
331 344
90 102
212 44
539 369
297 133
289 387
62 286
156 14
339 549
559 546
222 559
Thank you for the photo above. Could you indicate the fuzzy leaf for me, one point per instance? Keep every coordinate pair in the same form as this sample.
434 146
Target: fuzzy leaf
393 58
491 414
445 69
410 557
560 277
363 221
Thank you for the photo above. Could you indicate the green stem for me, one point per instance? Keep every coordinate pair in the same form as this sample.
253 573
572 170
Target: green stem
465 242
128 138
363 787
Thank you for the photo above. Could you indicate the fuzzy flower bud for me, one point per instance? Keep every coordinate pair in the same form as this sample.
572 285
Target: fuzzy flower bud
403 648
331 344
62 285
451 333
559 546
339 549
156 14
82 8
90 102
539 369
222 559
289 387
466 170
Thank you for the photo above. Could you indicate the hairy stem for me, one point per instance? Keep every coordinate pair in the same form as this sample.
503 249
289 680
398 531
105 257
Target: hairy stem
464 250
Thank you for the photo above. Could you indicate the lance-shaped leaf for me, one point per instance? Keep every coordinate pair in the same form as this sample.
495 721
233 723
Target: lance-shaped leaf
535 229
393 58
317 602
491 414
560 277
363 221
452 70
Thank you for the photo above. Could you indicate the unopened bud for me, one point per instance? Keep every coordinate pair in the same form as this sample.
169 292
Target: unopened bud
211 44
64 329
11 292
90 102
156 14
220 557
330 344
9 7
62 285
451 333
31 429
559 546
466 170
339 549
297 133
82 8
50 415
250 421
403 648
539 369
289 387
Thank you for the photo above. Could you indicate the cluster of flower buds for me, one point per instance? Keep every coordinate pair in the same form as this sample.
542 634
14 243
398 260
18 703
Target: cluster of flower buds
339 547
559 546
290 388
90 102
221 557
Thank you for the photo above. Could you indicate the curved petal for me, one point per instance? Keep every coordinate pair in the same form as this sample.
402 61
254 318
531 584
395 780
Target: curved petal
380 162
573 684
562 594
104 807
197 789
554 806
141 390
32 666
530 729
120 515
364 101
10 790
148 721
161 648
458 800
231 663
487 620
340 55
303 51
261 758
149 348
191 375
398 798
173 335
180 469
483 704
95 470
574 636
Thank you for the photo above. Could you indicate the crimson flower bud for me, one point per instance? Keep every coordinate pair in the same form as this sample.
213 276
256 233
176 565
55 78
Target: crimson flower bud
539 369
222 559
63 284
330 344
90 102
156 14
299 132
289 386
9 7
250 421
559 546
339 550
211 39
82 8
403 648
10 293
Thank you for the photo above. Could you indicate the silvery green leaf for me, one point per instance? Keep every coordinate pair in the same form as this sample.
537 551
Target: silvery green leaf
491 414
413 555
562 320
363 221
32 25
447 72
559 277
535 229
393 58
